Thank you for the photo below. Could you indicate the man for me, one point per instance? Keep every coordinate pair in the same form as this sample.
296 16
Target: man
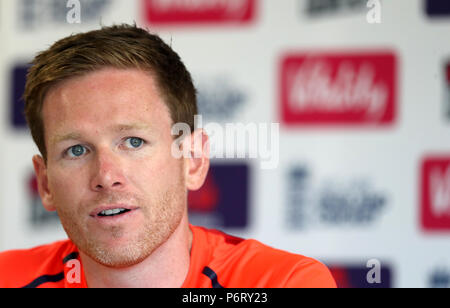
100 106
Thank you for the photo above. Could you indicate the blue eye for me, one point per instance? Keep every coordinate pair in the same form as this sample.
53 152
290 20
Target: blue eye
134 142
76 151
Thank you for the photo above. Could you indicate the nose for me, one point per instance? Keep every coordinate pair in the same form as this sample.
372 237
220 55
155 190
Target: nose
107 172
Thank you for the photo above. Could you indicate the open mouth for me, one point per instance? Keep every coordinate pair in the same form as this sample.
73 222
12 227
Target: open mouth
113 212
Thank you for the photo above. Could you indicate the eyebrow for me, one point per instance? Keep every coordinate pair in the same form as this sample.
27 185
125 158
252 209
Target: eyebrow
116 128
60 138
127 127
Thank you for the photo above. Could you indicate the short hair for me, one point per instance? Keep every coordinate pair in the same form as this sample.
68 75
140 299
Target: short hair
118 46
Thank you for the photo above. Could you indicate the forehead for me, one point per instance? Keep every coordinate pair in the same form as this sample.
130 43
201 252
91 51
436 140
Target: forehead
103 99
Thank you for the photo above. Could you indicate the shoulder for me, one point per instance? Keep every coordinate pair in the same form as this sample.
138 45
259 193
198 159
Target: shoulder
250 263
279 268
20 267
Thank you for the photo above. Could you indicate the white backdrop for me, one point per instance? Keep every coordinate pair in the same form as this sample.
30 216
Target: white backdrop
385 161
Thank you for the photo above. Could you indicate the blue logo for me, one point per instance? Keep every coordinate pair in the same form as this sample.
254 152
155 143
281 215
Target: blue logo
325 7
355 276
332 202
35 14
222 202
447 89
440 278
18 79
437 8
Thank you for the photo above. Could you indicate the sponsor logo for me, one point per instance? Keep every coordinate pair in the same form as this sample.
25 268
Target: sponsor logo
18 79
219 99
199 11
345 88
36 14
326 7
439 278
447 89
437 8
39 216
373 275
222 202
333 202
435 194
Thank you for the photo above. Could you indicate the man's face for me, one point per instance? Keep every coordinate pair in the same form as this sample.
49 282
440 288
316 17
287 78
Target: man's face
110 174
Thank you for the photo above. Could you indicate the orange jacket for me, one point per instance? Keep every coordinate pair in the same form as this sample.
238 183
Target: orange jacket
217 260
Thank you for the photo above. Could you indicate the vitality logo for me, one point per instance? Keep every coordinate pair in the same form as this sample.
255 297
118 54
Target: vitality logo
353 88
167 12
435 194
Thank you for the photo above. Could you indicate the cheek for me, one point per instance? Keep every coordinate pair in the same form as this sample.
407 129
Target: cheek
65 186
157 173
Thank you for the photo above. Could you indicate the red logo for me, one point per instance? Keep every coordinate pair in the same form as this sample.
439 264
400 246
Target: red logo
329 88
447 74
198 11
435 192
206 198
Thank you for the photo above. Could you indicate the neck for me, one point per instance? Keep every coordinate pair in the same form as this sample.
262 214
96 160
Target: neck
166 267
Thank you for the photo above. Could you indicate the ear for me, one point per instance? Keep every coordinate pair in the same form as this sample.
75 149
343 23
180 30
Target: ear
196 163
40 168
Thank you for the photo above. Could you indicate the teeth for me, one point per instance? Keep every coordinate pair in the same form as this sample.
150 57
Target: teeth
112 212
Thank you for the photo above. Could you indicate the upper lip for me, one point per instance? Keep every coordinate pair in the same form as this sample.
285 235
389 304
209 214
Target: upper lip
100 209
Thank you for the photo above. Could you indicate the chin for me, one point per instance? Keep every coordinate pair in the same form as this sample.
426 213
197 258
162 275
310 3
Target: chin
119 256
125 250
